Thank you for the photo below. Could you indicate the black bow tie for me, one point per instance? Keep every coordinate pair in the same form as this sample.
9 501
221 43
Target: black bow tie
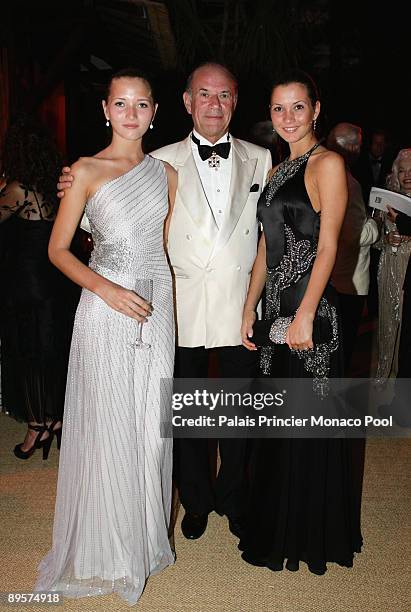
375 161
222 149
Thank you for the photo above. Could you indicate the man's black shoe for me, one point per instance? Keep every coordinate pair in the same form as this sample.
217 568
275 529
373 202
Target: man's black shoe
236 526
194 525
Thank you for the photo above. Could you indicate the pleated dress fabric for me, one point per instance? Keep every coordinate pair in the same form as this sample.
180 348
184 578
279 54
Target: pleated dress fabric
114 484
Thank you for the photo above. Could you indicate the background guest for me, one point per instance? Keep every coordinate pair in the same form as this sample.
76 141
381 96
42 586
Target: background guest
35 316
371 169
350 275
399 406
395 254
374 162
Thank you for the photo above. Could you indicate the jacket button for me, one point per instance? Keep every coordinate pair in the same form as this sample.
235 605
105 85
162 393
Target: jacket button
246 231
238 268
188 236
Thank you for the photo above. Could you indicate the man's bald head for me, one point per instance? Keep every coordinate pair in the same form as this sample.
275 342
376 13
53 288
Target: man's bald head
211 98
345 139
215 67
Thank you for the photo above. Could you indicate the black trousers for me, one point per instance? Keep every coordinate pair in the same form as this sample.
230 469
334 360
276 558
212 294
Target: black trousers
351 308
199 491
372 297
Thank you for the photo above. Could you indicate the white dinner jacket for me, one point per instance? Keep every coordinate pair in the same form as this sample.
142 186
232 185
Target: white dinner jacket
212 266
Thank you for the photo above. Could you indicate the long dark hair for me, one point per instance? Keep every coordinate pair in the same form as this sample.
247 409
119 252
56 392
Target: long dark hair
31 157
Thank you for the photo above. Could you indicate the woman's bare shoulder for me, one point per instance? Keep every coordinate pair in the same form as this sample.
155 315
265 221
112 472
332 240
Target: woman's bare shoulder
324 159
92 170
88 164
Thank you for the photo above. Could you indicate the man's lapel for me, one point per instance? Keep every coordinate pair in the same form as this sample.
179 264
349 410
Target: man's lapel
191 192
242 173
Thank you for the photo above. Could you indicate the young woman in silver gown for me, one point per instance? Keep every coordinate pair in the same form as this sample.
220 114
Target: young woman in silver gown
114 486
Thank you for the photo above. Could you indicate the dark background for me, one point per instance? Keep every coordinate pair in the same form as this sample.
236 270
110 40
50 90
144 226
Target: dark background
55 58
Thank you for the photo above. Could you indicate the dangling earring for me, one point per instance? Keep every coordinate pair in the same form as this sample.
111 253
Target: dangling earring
314 124
151 125
108 123
274 132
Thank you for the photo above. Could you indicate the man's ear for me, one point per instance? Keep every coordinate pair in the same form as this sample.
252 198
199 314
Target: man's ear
235 100
187 101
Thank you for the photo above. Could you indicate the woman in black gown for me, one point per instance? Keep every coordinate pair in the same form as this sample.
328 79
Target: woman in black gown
302 504
35 311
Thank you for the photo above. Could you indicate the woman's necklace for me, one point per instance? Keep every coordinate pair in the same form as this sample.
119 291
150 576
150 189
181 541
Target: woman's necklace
286 170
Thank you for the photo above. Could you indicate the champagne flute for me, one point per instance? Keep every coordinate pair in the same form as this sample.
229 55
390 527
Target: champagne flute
143 288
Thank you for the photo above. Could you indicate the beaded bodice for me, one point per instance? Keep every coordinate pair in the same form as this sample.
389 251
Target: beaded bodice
128 240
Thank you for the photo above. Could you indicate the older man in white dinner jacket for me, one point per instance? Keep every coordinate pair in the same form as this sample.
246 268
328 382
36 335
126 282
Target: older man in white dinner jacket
211 262
212 244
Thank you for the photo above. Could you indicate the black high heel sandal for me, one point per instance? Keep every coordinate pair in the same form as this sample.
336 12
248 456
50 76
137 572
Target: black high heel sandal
55 432
44 444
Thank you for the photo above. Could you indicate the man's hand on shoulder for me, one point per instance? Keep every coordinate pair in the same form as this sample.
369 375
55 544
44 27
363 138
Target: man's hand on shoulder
65 181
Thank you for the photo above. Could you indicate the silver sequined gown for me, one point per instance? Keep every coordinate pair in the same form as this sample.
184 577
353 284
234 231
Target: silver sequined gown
391 274
114 485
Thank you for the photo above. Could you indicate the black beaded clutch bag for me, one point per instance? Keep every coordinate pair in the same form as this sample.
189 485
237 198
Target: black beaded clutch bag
271 332
266 333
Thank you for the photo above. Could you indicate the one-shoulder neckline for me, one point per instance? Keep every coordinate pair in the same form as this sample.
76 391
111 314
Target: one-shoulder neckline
113 180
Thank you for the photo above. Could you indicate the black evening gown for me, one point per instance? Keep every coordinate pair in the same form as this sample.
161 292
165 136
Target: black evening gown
303 501
37 313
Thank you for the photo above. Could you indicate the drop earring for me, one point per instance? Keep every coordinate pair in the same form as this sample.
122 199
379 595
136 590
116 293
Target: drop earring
314 124
151 125
108 123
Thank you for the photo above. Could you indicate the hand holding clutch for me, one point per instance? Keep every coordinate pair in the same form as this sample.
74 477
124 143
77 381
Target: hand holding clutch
269 333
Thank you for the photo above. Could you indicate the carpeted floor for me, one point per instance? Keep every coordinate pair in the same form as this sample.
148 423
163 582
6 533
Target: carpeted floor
209 575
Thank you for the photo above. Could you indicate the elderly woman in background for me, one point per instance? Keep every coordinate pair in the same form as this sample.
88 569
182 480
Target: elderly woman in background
395 254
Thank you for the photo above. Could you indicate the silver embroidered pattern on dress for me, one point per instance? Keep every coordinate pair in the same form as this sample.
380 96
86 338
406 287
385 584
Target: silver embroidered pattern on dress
297 259
317 359
286 170
114 257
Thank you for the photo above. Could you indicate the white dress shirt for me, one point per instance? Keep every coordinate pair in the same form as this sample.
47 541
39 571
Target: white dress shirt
215 181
